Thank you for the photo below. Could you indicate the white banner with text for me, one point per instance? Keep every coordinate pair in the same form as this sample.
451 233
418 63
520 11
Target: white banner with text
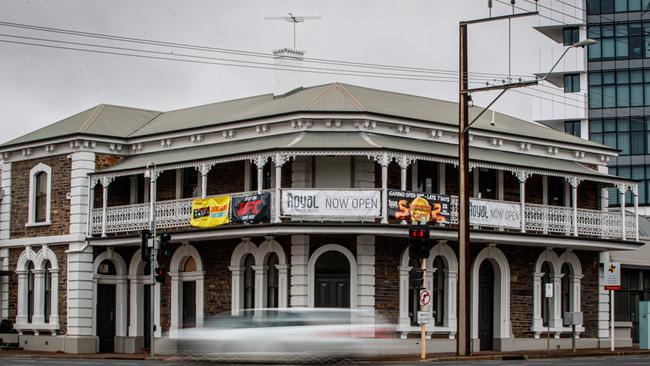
493 213
334 203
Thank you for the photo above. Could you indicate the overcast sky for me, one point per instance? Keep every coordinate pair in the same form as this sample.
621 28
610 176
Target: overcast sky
39 86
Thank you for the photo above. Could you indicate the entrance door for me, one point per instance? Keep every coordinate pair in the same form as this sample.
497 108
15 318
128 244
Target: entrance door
332 281
106 318
189 304
147 316
486 306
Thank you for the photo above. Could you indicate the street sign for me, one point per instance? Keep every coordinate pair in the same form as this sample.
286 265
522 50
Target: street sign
424 318
548 290
612 276
425 297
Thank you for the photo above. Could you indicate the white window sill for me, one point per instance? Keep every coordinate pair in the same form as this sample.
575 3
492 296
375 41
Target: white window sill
37 326
37 224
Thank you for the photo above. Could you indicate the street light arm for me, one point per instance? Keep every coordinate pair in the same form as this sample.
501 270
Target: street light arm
556 63
484 110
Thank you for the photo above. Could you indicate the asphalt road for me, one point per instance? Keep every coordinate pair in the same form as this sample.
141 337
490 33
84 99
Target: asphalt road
587 361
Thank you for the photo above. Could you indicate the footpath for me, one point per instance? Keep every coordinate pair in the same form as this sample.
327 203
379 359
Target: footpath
480 356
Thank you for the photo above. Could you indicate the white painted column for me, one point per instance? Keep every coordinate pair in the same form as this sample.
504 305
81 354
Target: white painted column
23 294
236 294
121 328
179 184
557 303
545 202
5 203
199 300
176 295
622 188
538 321
522 176
475 180
500 185
403 164
278 160
404 322
451 292
366 276
259 162
136 302
283 285
54 304
441 178
384 160
105 183
204 170
299 262
364 172
574 182
260 286
80 290
4 284
39 303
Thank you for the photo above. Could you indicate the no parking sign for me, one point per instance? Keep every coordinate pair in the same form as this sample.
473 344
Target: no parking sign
425 297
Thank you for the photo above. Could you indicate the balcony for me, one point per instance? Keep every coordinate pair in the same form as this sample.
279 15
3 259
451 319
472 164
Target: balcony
537 219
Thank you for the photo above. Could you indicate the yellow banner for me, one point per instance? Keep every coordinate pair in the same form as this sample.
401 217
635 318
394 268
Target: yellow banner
209 212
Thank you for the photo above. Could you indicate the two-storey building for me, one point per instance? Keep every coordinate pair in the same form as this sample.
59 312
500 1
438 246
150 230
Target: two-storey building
334 166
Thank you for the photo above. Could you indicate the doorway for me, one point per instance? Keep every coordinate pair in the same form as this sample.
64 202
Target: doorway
189 304
147 316
332 280
106 317
486 306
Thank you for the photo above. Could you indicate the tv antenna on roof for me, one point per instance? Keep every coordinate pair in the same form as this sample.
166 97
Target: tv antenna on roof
293 19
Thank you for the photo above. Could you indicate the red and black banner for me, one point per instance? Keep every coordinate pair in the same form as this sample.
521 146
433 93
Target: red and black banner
251 209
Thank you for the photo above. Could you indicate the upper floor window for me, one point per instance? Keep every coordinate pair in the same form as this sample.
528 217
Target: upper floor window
619 41
619 89
427 176
595 7
626 134
40 187
571 35
572 83
573 128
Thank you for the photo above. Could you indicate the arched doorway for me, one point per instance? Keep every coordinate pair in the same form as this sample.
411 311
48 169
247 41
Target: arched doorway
186 271
486 306
106 311
332 280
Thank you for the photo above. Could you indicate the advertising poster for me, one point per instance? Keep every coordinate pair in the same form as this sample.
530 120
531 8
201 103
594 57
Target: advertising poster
211 211
341 203
251 209
493 213
414 206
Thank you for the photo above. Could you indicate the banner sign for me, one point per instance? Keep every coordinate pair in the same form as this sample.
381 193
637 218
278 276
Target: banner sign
251 209
612 276
335 203
492 213
209 212
413 206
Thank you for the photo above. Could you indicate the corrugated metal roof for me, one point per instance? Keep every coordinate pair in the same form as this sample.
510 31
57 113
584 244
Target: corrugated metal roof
335 97
102 120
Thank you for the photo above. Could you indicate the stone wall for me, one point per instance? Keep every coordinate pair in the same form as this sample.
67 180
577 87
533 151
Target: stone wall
59 203
387 260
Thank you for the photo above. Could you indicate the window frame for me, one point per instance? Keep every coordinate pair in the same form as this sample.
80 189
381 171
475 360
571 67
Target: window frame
33 175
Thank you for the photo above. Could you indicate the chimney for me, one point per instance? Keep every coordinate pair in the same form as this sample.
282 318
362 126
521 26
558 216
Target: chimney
287 80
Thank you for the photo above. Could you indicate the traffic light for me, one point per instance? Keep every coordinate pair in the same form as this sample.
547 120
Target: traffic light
165 250
145 252
415 277
161 274
419 243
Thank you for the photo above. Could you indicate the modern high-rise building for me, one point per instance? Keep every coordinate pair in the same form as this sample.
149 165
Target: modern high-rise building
613 88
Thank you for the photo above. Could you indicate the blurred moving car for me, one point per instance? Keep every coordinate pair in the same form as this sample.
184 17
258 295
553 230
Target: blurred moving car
284 335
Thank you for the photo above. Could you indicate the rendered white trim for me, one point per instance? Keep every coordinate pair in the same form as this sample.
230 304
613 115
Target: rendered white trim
180 256
120 282
450 325
502 326
311 267
137 282
40 167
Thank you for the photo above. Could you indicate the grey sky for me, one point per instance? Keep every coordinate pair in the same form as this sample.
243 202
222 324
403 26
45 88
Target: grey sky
39 86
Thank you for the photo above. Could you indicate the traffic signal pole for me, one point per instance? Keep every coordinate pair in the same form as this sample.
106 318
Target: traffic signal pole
152 261
423 307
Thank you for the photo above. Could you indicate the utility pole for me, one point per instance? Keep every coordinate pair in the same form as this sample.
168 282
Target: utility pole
463 345
151 173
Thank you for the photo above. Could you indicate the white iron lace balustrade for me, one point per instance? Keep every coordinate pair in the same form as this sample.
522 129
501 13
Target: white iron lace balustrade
169 214
553 220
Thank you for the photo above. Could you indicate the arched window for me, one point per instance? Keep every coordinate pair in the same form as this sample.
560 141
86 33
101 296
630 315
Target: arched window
546 279
30 292
272 281
40 197
249 283
567 279
47 291
438 291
